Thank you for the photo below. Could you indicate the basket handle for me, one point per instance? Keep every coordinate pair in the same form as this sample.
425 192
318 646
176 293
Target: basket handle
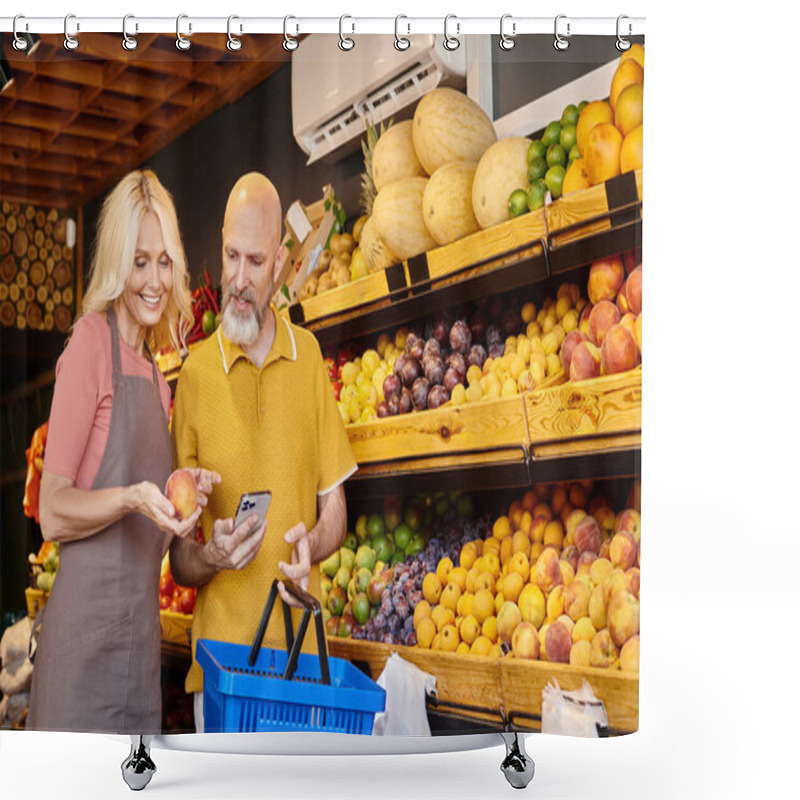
293 644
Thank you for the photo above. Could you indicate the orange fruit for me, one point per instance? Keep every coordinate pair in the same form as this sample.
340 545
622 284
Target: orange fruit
431 588
629 111
506 549
520 543
450 595
442 616
532 604
462 649
501 528
628 72
458 576
489 628
526 522
483 605
422 611
636 52
465 604
499 599
472 576
512 586
519 565
450 639
492 564
485 581
603 151
576 177
543 510
630 156
481 646
536 551
560 496
496 651
468 555
426 632
436 644
529 500
554 534
593 114
491 545
442 568
470 629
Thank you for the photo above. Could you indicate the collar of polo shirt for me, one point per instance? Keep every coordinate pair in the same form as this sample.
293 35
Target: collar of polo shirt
283 346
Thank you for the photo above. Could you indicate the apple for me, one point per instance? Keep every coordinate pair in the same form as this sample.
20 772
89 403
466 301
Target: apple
181 491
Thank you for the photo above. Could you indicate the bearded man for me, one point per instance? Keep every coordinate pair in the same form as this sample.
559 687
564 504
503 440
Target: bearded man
254 404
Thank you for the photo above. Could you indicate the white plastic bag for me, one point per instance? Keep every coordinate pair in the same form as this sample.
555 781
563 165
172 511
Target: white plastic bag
577 713
406 686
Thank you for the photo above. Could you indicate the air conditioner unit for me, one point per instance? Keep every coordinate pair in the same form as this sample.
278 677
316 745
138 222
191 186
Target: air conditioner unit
333 91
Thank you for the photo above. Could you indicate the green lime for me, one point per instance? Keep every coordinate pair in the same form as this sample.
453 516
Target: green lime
536 194
570 115
574 153
556 155
552 133
554 180
208 322
582 105
536 169
402 536
536 150
517 202
569 137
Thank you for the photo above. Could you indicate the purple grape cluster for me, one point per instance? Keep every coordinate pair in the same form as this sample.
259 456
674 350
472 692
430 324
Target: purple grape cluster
394 621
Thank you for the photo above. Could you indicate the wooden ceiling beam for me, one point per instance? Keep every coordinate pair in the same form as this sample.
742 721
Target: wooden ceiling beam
14 136
80 73
106 104
37 117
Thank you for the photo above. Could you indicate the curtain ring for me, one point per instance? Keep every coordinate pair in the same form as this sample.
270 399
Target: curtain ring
345 43
450 42
507 42
560 42
70 42
289 43
19 42
233 43
182 43
400 42
622 43
129 42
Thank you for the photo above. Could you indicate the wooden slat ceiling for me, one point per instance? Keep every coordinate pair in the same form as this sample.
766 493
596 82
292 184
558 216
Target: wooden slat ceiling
73 123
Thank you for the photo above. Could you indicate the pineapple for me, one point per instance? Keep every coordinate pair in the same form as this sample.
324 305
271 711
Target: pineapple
368 190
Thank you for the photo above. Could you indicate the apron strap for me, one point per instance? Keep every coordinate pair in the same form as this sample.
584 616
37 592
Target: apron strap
115 353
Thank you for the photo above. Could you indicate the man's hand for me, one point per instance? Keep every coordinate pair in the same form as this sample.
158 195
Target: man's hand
205 481
300 568
230 548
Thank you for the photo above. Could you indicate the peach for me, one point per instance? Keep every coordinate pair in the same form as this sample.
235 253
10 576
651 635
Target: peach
567 621
623 617
572 340
181 491
632 259
637 333
634 575
605 548
629 521
567 573
602 153
634 291
583 577
628 322
547 572
571 523
585 362
555 603
542 636
554 534
585 561
508 617
584 630
587 536
532 605
605 315
579 654
618 352
576 600
597 608
538 526
525 641
622 299
559 498
629 655
570 555
600 570
583 320
579 494
606 519
603 652
616 582
558 643
623 550
605 279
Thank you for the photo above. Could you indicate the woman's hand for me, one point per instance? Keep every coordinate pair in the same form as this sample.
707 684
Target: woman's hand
150 501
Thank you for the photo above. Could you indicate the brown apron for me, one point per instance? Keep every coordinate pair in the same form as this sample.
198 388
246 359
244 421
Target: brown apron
98 659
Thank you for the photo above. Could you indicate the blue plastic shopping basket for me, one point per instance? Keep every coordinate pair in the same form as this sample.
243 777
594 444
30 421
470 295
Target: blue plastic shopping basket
258 689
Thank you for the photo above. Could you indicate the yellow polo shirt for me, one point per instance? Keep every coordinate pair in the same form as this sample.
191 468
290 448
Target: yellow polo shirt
274 428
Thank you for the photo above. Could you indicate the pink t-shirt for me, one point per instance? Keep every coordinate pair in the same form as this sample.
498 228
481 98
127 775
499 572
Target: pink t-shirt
80 416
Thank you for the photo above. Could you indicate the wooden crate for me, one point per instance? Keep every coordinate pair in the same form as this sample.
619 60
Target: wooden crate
507 685
36 600
486 430
176 628
574 417
583 205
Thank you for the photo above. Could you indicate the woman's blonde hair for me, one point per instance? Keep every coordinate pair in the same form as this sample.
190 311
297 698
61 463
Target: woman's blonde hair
137 193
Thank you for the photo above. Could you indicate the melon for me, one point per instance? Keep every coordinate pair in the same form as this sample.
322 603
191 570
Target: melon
447 202
376 254
502 169
394 156
398 217
448 126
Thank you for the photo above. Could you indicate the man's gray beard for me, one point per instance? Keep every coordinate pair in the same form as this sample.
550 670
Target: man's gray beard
239 329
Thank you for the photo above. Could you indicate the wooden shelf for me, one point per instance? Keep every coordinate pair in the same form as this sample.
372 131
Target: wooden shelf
510 685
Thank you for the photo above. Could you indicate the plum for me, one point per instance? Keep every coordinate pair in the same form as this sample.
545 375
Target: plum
382 410
438 396
460 337
476 357
452 378
415 346
497 350
493 336
441 331
477 326
419 393
434 368
405 400
432 348
511 322
411 371
399 362
457 362
393 405
391 386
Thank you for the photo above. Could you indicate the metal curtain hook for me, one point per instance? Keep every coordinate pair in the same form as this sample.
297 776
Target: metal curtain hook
507 42
129 42
345 43
622 43
19 42
561 43
288 42
400 42
70 42
233 43
182 43
451 42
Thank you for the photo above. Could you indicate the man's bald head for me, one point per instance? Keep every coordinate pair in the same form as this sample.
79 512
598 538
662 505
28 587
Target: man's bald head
255 194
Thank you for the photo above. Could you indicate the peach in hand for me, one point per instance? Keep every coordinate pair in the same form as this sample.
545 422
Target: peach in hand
181 491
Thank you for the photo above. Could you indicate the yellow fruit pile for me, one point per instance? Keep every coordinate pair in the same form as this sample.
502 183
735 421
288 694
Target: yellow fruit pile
558 580
340 263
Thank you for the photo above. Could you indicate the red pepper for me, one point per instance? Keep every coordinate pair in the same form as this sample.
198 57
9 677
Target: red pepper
211 299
